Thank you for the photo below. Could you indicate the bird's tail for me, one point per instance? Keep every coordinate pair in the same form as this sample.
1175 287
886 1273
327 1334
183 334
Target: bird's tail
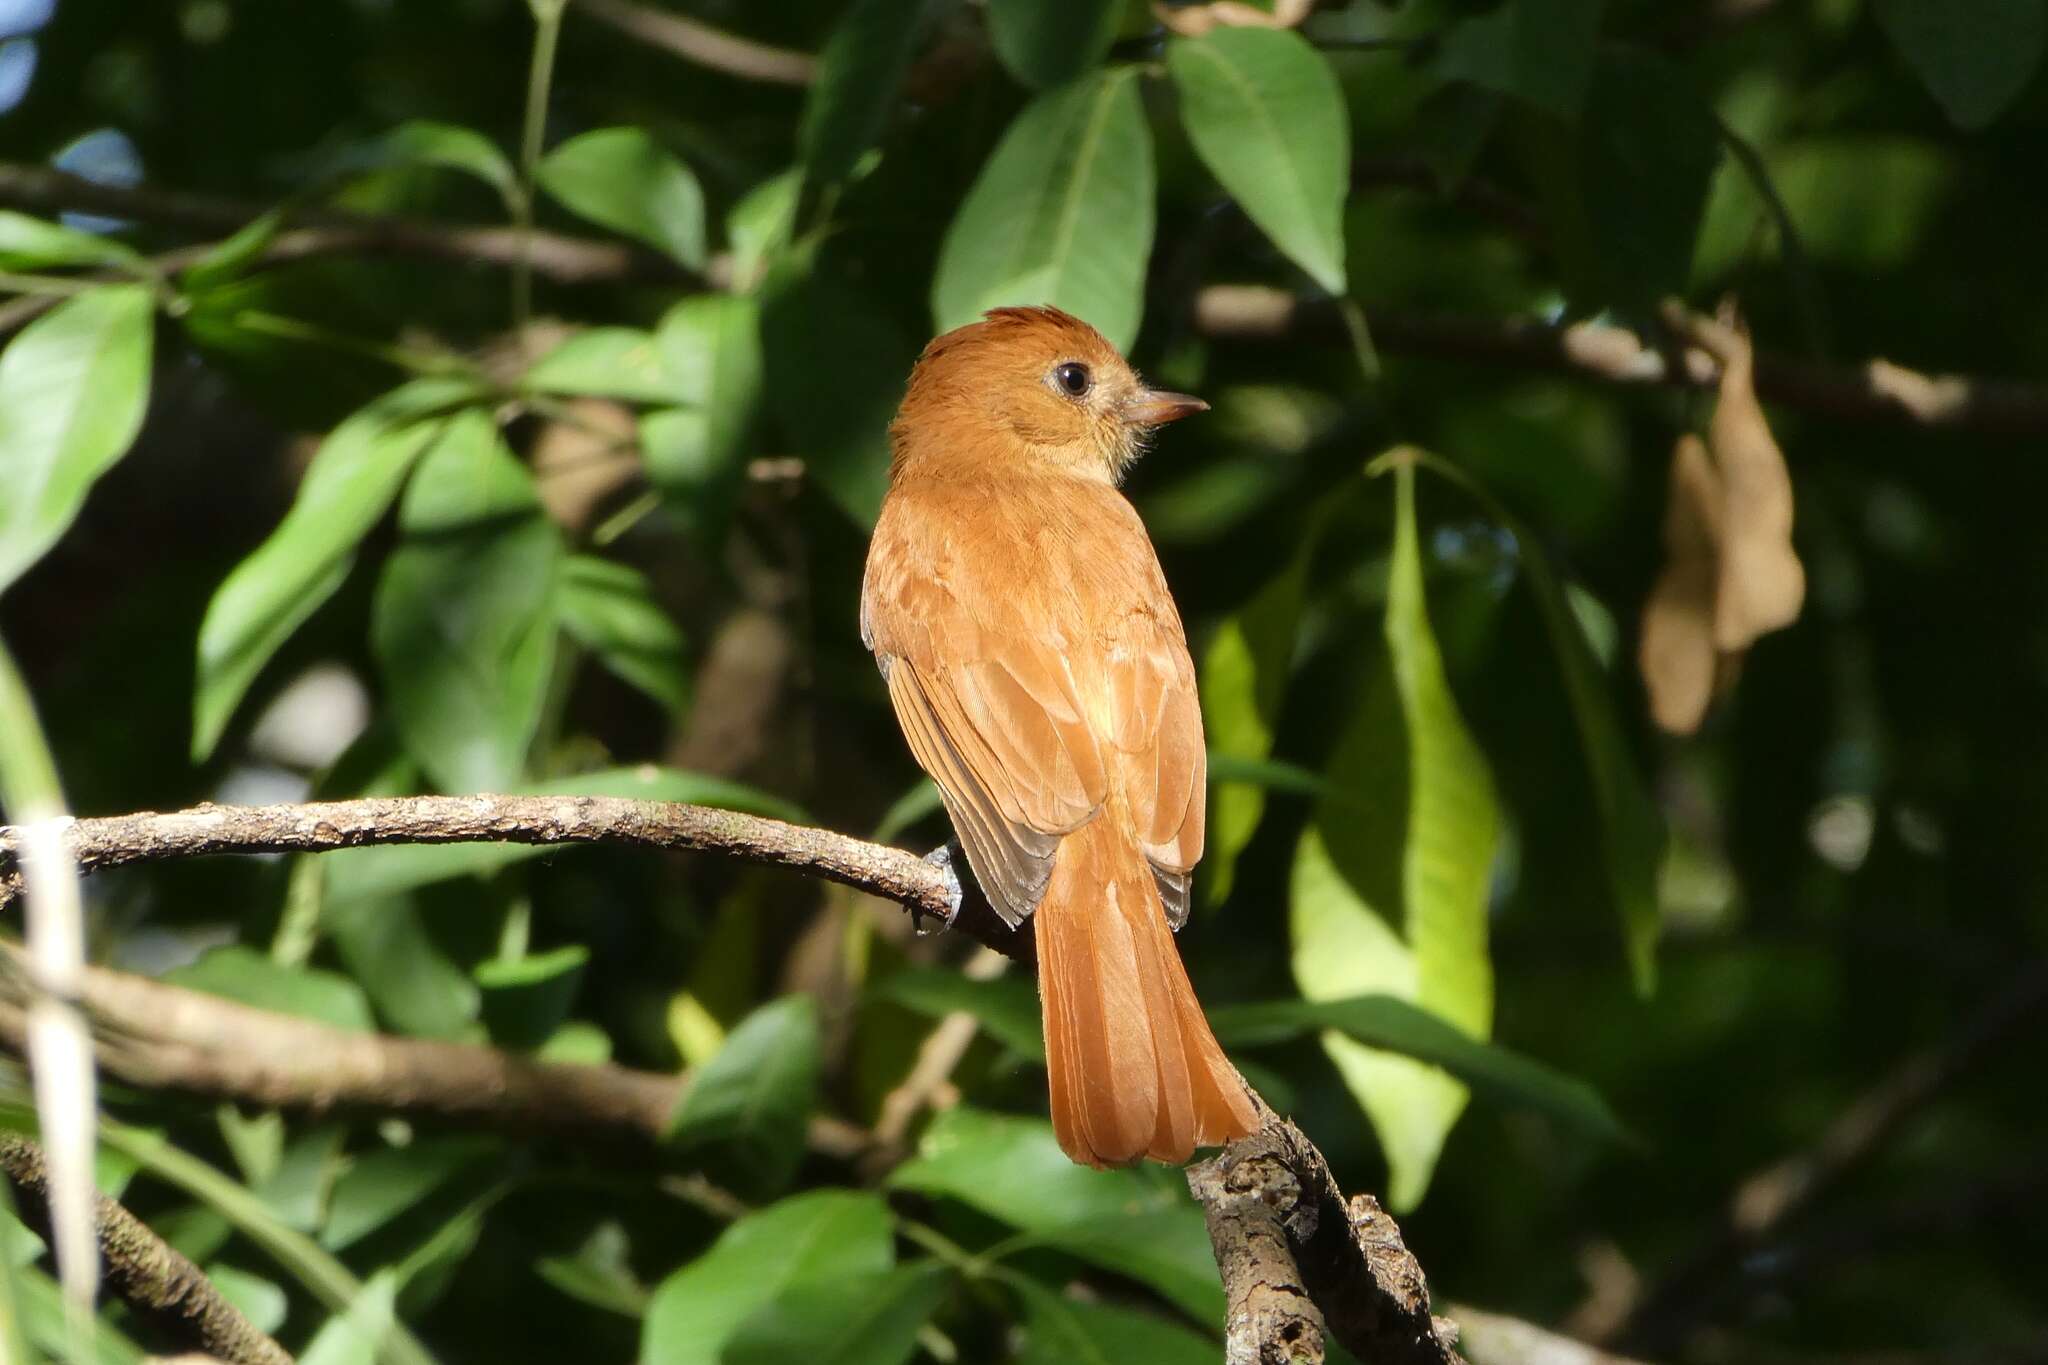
1135 1070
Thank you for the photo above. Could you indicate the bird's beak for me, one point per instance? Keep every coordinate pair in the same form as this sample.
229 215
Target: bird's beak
1155 407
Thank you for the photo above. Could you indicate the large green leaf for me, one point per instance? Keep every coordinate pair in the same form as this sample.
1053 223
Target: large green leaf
361 874
1065 1331
416 986
1402 912
626 181
73 388
1061 213
1395 1025
1244 675
825 1235
753 1098
253 978
1536 50
859 73
1630 830
711 346
1044 43
464 629
870 1319
1138 1222
610 609
1975 56
606 362
351 481
31 244
1266 114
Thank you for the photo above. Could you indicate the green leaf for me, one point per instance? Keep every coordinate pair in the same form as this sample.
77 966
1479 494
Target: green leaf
1974 56
859 74
463 627
353 1334
605 362
1044 43
1064 1331
711 345
73 388
351 481
610 609
1006 1006
262 1301
252 978
1138 1222
1403 912
229 258
1394 1025
761 224
1061 213
527 998
447 146
600 1273
417 988
31 244
821 1236
360 874
624 180
1267 116
753 1098
837 362
1536 50
383 1185
1244 675
870 1319
1631 832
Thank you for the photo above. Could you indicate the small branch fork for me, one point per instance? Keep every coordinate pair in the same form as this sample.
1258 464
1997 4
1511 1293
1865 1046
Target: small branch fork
1298 1261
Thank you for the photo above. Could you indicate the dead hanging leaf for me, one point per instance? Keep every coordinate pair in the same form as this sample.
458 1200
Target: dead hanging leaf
1192 21
1677 656
1731 574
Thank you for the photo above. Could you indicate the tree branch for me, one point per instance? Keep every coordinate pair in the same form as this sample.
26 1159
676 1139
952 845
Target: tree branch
158 1283
1299 1261
323 827
696 41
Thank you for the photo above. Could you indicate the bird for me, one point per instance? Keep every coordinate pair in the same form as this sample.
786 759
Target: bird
1038 669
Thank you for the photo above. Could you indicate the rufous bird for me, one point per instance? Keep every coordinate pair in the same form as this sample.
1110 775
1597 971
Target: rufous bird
1040 673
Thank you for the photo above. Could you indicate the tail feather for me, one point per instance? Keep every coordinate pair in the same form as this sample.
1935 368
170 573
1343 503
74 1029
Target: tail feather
1135 1071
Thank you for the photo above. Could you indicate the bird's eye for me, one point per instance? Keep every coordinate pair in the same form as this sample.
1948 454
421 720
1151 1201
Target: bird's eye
1073 379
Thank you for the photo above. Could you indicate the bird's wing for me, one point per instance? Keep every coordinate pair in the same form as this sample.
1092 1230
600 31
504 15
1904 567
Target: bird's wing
991 711
992 681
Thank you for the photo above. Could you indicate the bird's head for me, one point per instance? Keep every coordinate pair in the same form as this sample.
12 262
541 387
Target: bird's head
1029 384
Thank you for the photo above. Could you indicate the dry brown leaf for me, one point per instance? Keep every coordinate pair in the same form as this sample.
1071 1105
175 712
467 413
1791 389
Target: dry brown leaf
1677 656
1192 21
1762 583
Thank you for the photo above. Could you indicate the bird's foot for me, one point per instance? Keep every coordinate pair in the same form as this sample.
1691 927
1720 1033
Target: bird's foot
941 858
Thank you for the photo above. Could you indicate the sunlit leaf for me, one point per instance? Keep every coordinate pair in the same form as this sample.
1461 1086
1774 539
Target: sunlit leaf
1044 43
1391 1024
1975 56
464 628
31 244
625 180
1402 911
1267 116
347 489
752 1099
606 362
448 146
73 387
711 345
870 1319
1061 213
824 1235
609 608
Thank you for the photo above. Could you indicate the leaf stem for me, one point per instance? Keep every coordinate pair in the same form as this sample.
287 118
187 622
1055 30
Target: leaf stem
540 76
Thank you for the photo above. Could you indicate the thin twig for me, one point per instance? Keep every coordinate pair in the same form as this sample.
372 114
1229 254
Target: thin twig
157 1283
696 41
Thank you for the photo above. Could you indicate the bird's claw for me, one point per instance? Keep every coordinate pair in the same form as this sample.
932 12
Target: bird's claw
942 859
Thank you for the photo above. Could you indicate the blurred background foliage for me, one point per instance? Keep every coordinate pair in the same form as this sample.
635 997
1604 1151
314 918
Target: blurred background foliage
420 509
